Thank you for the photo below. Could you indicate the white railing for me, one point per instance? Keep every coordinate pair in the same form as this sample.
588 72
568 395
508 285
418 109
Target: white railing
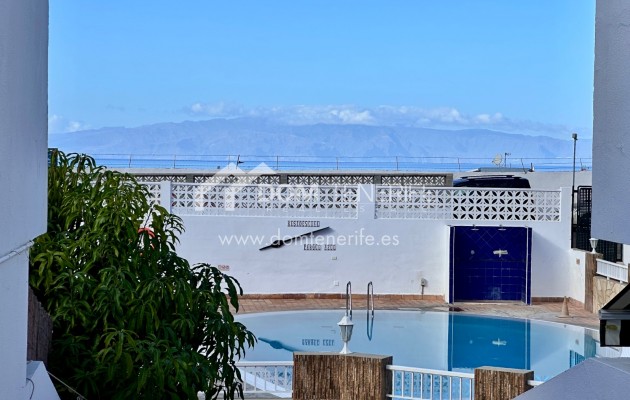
608 352
265 200
273 377
403 202
315 163
612 270
276 378
422 384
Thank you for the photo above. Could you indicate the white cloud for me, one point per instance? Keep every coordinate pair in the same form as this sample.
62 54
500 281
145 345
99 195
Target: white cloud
346 116
488 119
299 114
439 117
60 124
74 126
216 110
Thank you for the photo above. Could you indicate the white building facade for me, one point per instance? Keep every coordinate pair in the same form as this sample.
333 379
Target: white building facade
23 177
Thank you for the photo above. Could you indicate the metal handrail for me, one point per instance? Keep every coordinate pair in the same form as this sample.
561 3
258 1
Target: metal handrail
370 310
310 163
349 299
370 298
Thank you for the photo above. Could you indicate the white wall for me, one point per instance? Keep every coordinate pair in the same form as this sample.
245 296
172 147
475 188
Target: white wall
611 122
551 244
23 161
575 274
41 385
626 254
421 251
23 120
13 326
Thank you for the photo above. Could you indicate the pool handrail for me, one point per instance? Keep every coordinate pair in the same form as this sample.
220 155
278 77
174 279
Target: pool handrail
349 300
370 298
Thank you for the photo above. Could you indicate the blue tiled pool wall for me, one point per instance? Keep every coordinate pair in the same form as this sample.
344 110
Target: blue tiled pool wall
490 263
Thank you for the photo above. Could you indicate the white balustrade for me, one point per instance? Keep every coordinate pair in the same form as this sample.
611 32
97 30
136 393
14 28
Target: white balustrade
408 383
272 377
612 270
421 383
609 352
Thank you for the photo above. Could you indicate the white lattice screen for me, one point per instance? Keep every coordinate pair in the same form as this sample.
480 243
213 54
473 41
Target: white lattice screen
341 201
154 190
414 180
401 202
329 179
240 179
265 200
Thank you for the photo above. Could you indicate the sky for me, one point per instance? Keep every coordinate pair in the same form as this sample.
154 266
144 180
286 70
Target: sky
516 66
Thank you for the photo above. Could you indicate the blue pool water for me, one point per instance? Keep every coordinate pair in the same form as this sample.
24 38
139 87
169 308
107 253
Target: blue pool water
436 340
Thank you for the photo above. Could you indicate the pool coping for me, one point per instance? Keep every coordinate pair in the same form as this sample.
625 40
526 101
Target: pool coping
545 309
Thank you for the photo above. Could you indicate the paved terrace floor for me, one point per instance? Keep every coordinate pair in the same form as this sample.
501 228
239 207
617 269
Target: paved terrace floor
546 311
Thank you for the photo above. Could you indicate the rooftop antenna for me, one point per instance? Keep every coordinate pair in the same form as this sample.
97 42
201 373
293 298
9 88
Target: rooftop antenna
497 160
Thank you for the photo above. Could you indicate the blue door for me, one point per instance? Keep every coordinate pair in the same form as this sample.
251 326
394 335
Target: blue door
490 263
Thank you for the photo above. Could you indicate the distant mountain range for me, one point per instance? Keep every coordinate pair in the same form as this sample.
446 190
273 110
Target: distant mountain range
253 136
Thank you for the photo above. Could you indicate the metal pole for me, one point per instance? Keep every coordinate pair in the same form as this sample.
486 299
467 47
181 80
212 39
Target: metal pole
574 136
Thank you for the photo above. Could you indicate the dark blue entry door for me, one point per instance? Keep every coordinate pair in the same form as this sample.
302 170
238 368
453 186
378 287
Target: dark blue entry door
490 263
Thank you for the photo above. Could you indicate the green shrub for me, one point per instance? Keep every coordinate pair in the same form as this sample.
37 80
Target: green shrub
131 318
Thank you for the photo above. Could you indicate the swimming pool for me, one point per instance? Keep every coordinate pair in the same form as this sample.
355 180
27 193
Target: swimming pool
424 339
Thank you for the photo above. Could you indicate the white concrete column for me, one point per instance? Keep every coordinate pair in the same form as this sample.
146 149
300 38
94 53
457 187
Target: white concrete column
611 122
23 176
367 202
166 201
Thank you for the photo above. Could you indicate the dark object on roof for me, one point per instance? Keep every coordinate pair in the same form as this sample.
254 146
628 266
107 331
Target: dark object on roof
593 379
614 320
492 181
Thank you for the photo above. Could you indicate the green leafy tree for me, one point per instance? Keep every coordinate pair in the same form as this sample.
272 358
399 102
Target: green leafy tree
131 318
